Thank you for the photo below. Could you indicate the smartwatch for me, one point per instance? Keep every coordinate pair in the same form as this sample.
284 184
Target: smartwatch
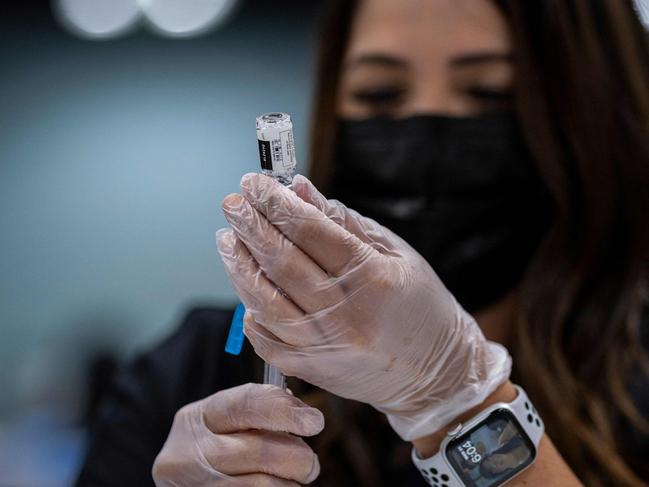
487 450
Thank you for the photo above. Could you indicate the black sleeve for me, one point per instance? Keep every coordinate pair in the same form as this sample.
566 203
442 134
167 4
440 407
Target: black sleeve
136 414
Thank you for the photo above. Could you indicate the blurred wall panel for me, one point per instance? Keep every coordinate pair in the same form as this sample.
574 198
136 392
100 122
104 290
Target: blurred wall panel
114 157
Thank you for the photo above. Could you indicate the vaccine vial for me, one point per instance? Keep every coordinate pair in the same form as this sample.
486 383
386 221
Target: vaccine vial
276 146
277 157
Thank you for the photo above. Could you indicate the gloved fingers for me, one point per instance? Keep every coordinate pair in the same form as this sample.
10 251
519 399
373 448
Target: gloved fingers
332 247
271 307
246 430
279 454
292 361
260 407
249 480
261 480
253 287
366 229
265 343
286 265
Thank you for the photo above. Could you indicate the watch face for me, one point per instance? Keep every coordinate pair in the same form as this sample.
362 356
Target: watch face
491 452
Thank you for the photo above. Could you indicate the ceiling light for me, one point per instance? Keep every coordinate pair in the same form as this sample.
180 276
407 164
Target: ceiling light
186 18
98 19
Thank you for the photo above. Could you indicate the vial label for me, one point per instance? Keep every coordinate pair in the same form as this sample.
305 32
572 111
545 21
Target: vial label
264 155
276 143
277 150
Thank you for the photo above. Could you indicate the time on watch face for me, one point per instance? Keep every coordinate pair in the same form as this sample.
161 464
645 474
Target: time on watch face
491 452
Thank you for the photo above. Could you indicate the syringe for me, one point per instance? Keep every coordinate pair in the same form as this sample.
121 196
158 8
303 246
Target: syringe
277 157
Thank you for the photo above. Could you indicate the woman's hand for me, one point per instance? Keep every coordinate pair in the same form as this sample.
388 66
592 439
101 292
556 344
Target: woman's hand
343 303
244 436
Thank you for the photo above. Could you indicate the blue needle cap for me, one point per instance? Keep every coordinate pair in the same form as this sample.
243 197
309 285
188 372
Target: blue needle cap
234 343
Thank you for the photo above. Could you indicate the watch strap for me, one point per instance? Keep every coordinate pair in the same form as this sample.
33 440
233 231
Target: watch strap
436 471
527 416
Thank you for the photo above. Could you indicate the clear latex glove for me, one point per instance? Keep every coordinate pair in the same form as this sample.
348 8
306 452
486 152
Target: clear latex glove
340 301
244 436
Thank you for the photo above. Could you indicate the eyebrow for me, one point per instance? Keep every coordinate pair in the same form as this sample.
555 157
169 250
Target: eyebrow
463 60
474 58
379 58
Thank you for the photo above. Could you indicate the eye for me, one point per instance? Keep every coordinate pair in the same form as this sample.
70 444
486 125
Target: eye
491 97
382 96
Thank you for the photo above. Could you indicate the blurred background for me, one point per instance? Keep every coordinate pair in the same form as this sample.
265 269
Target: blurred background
123 125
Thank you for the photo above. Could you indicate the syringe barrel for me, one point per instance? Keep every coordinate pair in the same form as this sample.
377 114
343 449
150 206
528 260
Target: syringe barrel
277 157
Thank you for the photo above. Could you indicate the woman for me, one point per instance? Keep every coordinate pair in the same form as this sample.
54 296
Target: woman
546 248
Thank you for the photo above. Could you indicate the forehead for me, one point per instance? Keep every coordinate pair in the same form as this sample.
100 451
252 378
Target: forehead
411 28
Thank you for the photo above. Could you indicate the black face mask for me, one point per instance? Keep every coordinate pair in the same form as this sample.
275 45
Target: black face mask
464 192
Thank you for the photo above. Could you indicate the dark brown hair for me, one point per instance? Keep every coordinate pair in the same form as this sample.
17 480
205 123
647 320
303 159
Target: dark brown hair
582 74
